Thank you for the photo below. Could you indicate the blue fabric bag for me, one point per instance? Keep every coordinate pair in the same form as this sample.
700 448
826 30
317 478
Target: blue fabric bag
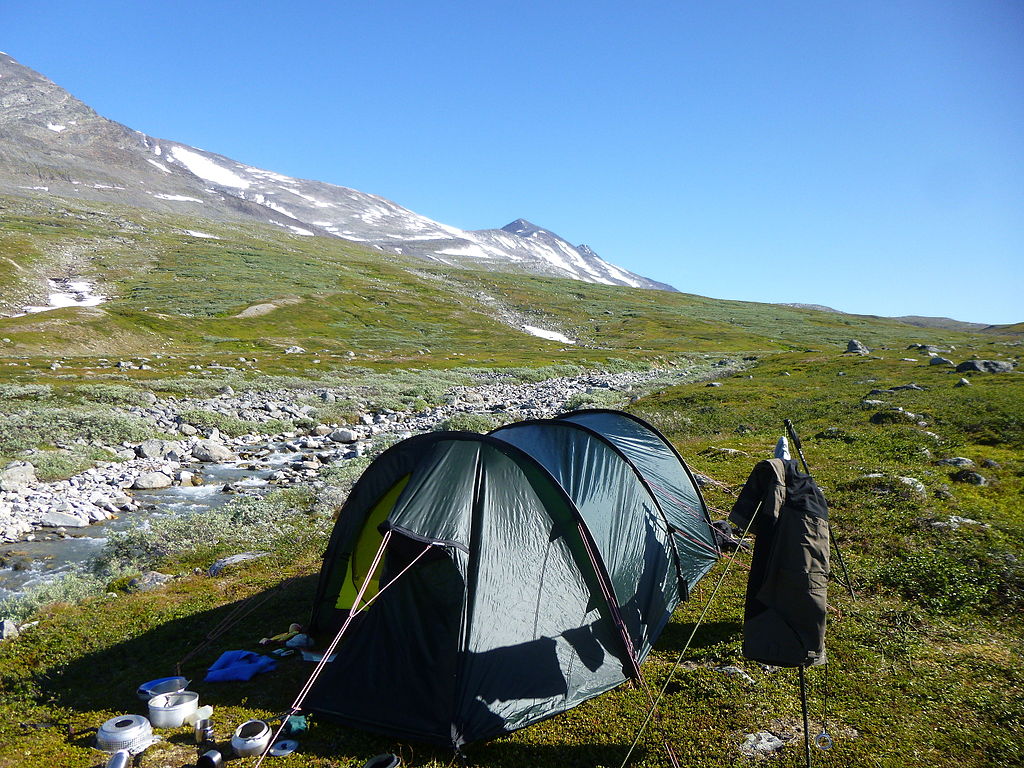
238 665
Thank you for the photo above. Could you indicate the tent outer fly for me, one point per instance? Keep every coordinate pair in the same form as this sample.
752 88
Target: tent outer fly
546 557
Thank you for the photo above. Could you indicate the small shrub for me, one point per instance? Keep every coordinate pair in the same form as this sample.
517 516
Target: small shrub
469 422
940 582
62 464
268 523
336 413
43 425
232 426
70 587
25 391
110 394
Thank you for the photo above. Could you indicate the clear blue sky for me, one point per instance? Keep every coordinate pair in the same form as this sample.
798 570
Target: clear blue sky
865 155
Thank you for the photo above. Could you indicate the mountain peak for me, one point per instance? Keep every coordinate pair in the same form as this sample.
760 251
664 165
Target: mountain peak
522 227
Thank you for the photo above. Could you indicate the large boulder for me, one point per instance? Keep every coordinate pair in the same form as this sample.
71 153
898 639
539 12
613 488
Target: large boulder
854 347
344 436
55 519
211 450
985 366
154 448
148 481
17 476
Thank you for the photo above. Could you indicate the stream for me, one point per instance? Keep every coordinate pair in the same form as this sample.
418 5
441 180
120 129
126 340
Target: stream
50 554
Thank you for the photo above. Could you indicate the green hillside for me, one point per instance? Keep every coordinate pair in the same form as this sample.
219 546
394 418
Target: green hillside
927 667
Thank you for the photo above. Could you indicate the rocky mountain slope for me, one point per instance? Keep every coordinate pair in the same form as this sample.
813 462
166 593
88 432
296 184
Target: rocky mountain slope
51 143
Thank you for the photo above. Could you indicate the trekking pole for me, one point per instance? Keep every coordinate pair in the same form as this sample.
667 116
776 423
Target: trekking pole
807 726
795 438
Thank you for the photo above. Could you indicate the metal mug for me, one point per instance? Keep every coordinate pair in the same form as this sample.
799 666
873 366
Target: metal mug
204 731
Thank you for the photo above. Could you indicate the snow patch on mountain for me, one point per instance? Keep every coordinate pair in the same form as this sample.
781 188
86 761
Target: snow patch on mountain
207 169
546 334
178 198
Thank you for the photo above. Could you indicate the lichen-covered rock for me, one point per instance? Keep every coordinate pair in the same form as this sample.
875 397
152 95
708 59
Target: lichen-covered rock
985 366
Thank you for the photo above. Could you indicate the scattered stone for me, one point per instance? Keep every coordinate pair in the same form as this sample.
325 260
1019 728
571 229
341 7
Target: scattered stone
914 485
940 361
913 387
854 347
896 416
294 350
991 464
955 522
956 461
224 562
733 671
188 430
714 384
148 481
713 451
985 366
17 476
8 629
148 580
761 743
967 476
962 383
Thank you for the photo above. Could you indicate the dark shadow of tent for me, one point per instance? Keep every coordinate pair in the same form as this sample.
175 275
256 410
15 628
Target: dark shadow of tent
674 636
509 754
107 679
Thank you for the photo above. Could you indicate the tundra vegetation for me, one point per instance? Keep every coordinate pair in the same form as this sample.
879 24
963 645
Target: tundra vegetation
926 665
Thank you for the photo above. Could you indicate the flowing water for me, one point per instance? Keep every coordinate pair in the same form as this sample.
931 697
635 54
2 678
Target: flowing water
29 562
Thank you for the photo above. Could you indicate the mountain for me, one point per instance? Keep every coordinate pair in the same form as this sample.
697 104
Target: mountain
52 143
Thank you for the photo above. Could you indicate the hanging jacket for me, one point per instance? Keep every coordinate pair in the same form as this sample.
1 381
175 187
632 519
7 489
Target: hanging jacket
784 615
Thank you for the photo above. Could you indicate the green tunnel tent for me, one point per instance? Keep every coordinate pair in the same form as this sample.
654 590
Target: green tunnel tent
551 554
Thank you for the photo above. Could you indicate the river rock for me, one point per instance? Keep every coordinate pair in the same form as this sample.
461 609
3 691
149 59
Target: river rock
153 449
985 366
344 436
17 476
55 519
150 480
212 450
